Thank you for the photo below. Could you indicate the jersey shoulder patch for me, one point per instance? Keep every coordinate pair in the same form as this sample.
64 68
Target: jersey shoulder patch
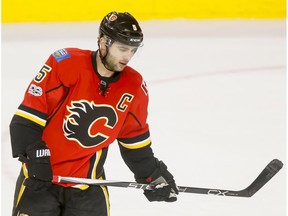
61 54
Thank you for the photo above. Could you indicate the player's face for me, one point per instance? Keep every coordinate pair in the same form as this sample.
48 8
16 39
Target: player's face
119 56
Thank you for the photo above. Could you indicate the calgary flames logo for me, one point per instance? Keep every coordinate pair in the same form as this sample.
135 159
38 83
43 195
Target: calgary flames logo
88 123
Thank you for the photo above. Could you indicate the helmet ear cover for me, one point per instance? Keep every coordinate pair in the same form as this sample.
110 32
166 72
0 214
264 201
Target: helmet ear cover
121 27
108 40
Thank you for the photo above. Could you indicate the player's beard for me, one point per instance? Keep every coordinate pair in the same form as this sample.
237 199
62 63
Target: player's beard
112 64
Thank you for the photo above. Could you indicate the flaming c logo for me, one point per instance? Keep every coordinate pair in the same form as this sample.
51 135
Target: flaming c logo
88 123
113 17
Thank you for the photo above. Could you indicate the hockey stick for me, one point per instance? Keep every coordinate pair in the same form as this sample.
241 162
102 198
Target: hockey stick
268 172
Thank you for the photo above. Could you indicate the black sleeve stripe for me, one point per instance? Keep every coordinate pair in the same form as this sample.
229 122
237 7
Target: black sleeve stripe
23 132
32 115
136 142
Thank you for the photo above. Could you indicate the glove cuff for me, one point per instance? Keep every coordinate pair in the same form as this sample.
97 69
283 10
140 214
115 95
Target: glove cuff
38 149
161 168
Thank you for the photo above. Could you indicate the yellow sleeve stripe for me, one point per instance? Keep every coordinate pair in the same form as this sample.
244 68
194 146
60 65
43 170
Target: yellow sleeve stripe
136 145
31 117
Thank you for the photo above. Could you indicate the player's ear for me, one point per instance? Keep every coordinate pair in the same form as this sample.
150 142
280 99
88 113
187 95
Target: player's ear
104 43
101 42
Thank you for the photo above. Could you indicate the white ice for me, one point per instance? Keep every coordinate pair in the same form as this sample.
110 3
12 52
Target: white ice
217 108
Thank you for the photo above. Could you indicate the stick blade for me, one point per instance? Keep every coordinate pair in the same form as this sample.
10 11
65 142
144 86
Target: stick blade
268 172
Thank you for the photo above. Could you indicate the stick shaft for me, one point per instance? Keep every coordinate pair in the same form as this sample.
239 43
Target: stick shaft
267 173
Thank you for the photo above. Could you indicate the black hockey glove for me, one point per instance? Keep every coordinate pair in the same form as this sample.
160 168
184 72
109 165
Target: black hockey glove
39 167
163 184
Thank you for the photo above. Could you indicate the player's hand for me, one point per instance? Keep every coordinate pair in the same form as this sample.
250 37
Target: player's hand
38 164
163 184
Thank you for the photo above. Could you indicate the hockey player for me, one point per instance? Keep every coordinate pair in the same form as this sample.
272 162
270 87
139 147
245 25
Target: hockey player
74 108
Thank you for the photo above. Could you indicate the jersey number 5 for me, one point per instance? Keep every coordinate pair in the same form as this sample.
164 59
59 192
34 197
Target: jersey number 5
42 73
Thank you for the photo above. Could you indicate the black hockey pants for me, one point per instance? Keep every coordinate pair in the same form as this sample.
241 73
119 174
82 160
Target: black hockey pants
60 201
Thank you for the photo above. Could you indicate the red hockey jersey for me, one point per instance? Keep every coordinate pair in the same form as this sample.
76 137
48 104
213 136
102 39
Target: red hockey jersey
82 113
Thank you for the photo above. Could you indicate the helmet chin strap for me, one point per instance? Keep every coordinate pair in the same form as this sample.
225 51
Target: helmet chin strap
103 58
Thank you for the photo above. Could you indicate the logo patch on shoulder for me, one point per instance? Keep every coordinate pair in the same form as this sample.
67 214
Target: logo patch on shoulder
35 90
61 54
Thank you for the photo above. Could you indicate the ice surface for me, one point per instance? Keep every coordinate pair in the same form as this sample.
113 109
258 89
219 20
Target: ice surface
217 108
